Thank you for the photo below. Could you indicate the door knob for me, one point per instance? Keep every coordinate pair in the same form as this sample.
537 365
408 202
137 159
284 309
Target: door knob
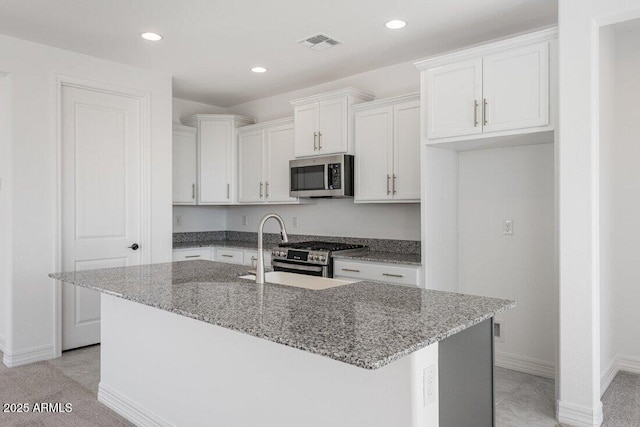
134 247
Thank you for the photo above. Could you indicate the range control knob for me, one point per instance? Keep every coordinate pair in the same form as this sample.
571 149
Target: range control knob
323 258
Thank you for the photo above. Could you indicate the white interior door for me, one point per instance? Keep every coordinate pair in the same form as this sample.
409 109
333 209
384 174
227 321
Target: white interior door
101 198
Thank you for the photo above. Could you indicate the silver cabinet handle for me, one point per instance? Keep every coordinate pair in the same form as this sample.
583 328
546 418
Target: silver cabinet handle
227 256
193 191
388 179
315 145
192 256
267 189
484 112
394 183
350 269
392 275
475 113
319 141
260 189
228 193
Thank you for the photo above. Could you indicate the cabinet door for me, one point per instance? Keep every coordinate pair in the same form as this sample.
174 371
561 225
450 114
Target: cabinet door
406 151
333 130
184 167
306 129
374 142
516 88
250 167
279 142
454 95
215 161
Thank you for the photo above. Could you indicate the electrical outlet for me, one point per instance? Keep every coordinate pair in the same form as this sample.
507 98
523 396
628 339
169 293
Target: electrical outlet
294 222
498 330
507 229
245 220
429 384
178 220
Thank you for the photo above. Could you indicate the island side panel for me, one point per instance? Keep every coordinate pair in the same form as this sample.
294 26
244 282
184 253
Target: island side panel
160 368
466 377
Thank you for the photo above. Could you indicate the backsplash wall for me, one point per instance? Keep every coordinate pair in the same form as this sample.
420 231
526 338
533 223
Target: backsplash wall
335 217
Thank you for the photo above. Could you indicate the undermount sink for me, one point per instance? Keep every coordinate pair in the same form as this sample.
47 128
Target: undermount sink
301 280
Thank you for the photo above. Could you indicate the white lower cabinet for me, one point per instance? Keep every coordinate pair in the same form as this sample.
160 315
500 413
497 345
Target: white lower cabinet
399 274
192 254
230 256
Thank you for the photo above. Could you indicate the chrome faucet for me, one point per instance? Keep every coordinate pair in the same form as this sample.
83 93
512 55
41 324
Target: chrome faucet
285 239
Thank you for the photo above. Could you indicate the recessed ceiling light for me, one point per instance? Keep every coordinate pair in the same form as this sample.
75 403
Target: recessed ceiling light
151 36
395 24
259 70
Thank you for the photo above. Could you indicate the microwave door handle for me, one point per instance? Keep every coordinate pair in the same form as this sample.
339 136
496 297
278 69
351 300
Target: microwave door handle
326 176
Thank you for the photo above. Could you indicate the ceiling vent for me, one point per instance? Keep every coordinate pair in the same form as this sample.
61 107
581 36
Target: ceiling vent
319 42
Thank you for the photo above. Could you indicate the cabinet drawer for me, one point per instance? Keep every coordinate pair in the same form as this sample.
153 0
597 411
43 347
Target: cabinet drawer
251 257
192 254
230 256
383 272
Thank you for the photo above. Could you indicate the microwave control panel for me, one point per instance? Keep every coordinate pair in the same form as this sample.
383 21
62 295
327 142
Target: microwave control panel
335 176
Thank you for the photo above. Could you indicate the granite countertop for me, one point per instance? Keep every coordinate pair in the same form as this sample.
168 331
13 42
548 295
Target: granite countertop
233 244
387 257
366 324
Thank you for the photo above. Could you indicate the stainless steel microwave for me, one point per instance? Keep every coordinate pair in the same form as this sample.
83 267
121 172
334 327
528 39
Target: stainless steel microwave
324 176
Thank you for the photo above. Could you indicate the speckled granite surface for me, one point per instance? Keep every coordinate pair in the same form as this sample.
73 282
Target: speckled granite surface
365 324
388 257
376 245
234 244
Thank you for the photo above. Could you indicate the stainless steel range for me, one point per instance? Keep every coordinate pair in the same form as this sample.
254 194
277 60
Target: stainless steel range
311 258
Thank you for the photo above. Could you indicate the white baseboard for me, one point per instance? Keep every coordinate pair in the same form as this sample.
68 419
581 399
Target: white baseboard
578 415
128 408
3 343
525 364
31 355
619 363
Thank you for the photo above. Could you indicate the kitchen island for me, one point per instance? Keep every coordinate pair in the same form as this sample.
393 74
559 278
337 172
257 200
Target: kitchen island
190 343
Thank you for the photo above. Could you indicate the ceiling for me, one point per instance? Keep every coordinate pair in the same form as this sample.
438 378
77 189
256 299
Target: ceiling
209 46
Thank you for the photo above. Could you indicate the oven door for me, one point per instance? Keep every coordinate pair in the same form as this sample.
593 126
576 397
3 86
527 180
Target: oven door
300 268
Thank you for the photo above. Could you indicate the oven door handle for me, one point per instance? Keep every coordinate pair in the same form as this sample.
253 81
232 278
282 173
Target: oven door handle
275 263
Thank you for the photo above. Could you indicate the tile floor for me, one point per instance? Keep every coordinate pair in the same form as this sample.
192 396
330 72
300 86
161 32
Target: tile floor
521 399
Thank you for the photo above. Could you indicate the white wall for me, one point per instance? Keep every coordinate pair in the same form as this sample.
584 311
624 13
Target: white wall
619 198
608 206
183 108
5 207
384 82
33 68
335 217
579 358
199 218
515 184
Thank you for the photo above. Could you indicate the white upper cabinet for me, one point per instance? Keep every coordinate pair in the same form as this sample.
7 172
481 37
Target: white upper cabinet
184 165
454 94
264 151
323 124
516 88
217 156
387 160
499 89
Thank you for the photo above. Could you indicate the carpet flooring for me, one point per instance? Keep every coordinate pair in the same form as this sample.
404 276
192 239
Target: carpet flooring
40 383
